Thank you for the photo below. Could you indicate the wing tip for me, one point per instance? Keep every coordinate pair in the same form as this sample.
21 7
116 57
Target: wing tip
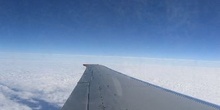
86 65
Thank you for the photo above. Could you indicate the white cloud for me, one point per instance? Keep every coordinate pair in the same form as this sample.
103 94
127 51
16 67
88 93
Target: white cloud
5 100
39 81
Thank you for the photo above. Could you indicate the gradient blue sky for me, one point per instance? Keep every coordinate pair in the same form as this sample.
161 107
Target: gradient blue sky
186 29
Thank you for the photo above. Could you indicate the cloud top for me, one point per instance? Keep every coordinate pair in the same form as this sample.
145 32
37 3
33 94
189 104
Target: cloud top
40 81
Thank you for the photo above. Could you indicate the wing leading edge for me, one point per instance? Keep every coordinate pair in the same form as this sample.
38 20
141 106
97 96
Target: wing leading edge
101 88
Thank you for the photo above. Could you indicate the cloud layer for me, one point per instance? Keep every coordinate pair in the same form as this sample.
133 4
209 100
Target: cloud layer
39 81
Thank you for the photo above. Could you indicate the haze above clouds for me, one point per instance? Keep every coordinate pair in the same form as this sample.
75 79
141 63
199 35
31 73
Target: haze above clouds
44 81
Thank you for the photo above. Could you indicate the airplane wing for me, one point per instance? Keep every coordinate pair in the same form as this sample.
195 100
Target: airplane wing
101 88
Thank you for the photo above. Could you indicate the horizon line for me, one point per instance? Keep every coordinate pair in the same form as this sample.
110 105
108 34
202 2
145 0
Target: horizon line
114 56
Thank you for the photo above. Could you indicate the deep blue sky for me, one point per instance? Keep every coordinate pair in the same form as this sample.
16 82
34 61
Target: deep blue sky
187 29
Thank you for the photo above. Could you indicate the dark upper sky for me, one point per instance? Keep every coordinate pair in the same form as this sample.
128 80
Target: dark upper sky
147 28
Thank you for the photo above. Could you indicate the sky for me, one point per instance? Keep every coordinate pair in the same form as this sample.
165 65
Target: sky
186 29
146 39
